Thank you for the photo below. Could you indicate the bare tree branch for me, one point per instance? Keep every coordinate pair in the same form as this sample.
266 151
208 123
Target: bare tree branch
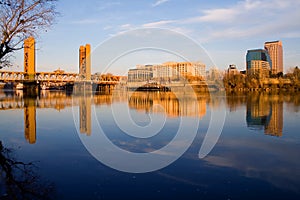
20 19
21 181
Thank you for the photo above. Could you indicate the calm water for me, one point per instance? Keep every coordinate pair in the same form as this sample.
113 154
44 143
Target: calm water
256 155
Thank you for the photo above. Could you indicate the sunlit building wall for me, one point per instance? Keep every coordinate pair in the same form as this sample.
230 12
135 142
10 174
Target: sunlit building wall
258 62
166 71
275 51
186 68
259 67
232 70
139 75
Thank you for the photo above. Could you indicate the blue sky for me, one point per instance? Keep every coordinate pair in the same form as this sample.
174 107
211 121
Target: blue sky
226 29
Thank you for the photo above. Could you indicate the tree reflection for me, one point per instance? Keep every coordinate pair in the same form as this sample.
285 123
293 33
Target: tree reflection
18 180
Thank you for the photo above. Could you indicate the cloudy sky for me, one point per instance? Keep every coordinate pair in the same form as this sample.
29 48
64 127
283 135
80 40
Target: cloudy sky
225 29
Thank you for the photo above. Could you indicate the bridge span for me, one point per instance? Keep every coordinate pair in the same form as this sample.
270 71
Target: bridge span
56 76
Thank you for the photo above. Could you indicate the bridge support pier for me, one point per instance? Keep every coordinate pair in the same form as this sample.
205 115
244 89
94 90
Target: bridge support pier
105 87
31 88
83 87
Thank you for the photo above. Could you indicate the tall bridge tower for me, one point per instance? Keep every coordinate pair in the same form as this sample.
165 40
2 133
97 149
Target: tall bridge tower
29 59
85 62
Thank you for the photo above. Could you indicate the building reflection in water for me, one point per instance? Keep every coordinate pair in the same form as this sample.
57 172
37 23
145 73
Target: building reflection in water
174 105
265 112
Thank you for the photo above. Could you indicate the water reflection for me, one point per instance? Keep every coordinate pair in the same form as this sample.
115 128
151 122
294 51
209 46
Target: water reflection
263 111
85 103
20 180
174 105
30 120
242 164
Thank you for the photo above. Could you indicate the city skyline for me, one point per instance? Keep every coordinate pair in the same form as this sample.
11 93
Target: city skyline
222 28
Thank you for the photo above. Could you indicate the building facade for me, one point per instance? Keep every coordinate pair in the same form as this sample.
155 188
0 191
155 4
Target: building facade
258 63
232 70
276 54
139 75
166 71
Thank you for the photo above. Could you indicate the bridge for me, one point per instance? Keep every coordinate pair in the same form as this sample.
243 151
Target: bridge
56 76
31 79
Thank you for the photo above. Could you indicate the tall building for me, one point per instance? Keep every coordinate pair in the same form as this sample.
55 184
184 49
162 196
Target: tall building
85 62
276 54
258 62
29 58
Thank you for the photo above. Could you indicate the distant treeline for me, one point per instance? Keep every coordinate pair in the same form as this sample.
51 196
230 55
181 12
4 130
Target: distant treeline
242 82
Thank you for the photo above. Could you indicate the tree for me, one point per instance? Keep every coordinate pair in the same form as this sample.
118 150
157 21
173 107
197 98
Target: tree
20 19
296 73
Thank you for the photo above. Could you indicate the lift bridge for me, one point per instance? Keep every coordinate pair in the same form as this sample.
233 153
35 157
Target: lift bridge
56 76
31 78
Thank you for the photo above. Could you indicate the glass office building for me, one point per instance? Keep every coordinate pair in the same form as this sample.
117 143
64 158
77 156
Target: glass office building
257 54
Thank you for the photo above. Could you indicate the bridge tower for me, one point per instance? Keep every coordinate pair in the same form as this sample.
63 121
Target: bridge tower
29 58
85 62
30 86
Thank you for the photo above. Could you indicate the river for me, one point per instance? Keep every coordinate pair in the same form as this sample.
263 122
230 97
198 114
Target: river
151 145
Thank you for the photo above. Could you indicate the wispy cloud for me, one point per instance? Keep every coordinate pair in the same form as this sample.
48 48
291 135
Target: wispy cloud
244 19
109 5
242 11
126 26
252 18
158 23
159 2
86 21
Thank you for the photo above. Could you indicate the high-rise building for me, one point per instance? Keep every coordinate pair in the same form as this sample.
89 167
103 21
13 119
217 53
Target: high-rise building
258 62
276 54
85 62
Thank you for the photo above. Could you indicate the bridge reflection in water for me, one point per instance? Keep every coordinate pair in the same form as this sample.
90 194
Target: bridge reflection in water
264 111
